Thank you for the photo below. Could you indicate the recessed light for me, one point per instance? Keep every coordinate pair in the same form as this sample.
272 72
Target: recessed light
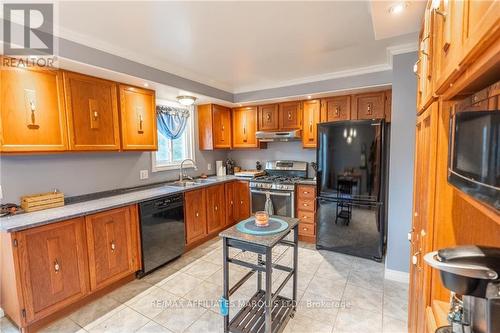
398 7
240 104
146 84
309 97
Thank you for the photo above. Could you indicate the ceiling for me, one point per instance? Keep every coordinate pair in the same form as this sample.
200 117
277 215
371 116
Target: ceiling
245 46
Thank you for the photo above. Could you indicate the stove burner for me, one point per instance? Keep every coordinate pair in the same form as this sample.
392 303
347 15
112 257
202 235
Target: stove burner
278 179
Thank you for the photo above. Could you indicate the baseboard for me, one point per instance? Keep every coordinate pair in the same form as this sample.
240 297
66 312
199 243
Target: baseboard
397 276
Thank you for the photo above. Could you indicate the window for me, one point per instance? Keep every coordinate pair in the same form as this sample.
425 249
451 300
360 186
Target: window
171 153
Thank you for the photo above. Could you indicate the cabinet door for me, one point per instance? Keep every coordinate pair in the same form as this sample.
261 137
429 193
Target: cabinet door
229 189
111 246
268 117
53 265
447 43
242 200
311 120
423 200
195 211
32 115
290 115
481 23
336 108
92 111
138 118
215 208
425 61
369 106
221 126
244 127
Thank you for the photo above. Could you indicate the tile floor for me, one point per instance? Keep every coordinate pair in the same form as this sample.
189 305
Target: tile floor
337 293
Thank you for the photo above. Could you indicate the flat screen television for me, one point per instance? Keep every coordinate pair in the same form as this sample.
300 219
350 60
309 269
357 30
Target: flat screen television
474 155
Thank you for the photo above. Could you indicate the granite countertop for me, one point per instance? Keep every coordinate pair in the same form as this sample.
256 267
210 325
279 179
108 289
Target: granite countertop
29 220
265 240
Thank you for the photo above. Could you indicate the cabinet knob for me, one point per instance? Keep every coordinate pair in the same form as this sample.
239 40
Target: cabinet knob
268 116
305 229
306 192
305 205
369 108
231 202
113 246
216 208
241 202
337 110
57 266
197 214
289 116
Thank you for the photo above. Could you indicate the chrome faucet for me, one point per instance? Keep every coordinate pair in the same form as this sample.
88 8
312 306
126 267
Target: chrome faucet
181 173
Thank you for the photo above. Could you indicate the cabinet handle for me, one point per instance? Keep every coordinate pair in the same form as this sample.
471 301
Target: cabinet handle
306 192
231 202
197 214
113 246
305 205
289 116
140 124
268 116
337 110
369 108
216 208
310 126
241 202
305 229
440 13
57 266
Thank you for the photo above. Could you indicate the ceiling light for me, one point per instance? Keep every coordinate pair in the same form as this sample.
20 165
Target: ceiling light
186 100
309 97
240 104
398 8
146 84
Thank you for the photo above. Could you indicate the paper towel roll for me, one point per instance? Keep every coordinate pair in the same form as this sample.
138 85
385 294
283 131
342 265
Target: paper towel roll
219 166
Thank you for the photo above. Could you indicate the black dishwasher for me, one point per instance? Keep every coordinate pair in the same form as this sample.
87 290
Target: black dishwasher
162 231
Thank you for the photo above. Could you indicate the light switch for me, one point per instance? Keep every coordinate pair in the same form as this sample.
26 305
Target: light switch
143 174
209 166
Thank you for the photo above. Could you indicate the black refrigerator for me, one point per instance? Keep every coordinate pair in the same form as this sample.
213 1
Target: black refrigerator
351 180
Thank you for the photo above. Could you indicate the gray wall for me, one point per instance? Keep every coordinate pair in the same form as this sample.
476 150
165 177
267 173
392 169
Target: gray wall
274 151
404 87
82 173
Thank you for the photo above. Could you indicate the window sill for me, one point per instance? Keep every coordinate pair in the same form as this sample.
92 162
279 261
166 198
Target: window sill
170 167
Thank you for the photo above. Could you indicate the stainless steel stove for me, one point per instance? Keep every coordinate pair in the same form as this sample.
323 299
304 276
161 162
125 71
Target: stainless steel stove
277 188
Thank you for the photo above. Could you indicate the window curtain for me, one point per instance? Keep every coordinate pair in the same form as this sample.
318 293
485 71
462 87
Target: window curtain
171 121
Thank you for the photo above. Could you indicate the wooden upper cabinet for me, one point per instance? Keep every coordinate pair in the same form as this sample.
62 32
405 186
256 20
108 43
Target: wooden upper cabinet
290 115
311 120
244 127
482 24
268 117
425 60
447 43
215 208
369 106
32 115
113 246
335 108
92 110
195 209
214 127
138 118
53 267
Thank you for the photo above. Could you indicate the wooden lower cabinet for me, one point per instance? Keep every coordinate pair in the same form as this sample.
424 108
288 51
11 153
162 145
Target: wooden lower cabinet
237 201
306 212
47 269
195 214
216 215
423 212
112 243
53 267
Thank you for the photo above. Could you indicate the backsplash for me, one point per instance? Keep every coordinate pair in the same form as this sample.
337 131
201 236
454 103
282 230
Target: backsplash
275 151
83 173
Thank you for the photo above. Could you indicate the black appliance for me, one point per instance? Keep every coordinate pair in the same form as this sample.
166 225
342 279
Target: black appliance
472 274
474 161
162 231
351 163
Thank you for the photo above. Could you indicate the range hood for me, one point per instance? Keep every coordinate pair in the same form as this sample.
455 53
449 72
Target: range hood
265 136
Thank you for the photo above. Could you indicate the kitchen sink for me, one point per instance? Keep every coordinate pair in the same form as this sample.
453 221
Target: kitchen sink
188 183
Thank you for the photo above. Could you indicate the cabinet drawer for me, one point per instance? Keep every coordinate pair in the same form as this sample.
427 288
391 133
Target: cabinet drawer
306 204
307 229
306 217
306 192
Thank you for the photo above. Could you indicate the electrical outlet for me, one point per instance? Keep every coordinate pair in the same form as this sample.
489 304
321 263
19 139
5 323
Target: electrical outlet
143 174
209 166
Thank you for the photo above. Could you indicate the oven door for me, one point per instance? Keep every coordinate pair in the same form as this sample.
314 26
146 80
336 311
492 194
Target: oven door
283 201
